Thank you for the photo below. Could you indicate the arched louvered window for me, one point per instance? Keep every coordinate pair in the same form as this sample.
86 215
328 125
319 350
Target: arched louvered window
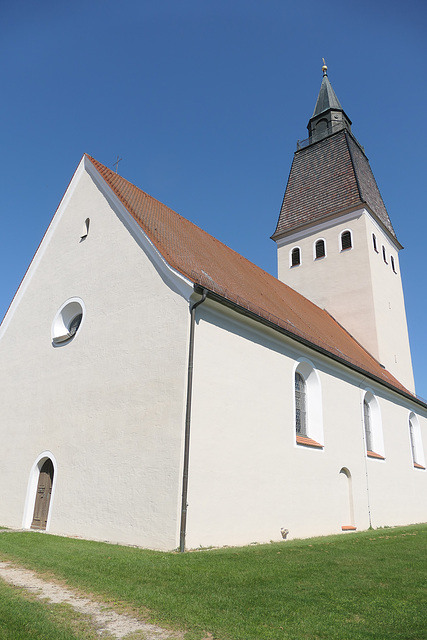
346 240
374 242
320 249
367 421
384 255
295 257
300 405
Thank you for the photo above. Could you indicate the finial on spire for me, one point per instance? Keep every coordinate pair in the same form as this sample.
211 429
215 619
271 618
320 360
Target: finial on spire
324 68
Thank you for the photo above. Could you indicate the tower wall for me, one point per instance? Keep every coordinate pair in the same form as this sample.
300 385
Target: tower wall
356 286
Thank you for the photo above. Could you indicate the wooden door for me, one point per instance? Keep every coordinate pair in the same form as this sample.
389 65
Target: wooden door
44 490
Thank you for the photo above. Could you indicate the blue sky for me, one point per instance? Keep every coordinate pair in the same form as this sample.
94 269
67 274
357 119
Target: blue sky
204 101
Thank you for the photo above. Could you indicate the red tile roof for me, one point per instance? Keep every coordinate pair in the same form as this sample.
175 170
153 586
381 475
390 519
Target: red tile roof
206 261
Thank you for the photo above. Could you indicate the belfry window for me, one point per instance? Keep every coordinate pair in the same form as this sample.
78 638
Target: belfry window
384 255
374 242
393 266
319 249
295 257
346 242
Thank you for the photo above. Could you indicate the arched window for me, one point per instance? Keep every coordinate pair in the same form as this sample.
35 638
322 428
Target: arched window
300 405
308 406
416 442
346 241
393 266
295 257
346 500
367 422
374 441
374 242
319 249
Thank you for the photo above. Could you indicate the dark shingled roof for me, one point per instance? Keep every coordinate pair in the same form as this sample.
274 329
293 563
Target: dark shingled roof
207 262
327 177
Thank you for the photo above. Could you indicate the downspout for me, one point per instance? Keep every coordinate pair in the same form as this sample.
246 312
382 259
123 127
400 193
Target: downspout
366 459
188 422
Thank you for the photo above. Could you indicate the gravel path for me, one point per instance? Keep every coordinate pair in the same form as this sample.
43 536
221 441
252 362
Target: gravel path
118 625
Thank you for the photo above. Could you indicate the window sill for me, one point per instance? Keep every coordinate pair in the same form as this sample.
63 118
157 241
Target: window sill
372 454
308 442
418 466
348 527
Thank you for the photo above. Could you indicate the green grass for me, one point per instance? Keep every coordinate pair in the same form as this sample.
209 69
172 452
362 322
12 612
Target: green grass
367 586
24 618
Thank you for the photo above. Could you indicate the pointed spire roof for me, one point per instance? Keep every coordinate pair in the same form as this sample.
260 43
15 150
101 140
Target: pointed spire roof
327 98
330 173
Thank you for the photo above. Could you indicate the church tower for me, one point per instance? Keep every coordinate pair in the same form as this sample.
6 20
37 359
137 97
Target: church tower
335 241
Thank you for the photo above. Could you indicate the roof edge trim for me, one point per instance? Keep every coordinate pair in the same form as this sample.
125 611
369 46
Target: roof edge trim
182 282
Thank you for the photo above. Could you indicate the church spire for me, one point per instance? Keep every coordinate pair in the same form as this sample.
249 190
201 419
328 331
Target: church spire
328 115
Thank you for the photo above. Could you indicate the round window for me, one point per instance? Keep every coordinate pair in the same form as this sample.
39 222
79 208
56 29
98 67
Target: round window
67 321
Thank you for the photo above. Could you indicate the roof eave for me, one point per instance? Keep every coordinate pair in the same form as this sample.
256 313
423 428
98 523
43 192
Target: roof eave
198 288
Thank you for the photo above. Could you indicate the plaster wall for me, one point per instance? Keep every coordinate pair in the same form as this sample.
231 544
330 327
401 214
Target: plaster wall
389 306
341 281
355 286
98 402
249 478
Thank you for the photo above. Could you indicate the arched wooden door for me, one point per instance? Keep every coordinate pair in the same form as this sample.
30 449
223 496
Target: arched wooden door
44 490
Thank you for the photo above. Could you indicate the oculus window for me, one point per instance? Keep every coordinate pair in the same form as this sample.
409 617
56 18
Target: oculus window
67 322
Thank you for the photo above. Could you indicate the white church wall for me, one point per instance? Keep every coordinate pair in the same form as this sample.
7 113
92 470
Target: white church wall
396 488
389 305
249 478
98 402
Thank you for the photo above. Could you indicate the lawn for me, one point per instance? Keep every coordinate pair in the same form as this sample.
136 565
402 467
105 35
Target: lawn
28 619
358 586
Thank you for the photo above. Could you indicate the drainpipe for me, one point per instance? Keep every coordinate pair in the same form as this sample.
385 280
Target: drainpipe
188 422
366 459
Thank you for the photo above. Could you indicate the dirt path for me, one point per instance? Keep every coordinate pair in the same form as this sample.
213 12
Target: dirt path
106 621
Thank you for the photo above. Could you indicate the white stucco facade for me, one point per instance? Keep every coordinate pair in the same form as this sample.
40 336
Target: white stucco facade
249 478
108 406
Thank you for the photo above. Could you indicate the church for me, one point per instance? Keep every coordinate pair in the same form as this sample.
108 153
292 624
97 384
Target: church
160 390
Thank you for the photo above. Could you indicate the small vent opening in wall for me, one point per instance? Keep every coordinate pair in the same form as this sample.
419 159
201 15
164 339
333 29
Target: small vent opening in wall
85 230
